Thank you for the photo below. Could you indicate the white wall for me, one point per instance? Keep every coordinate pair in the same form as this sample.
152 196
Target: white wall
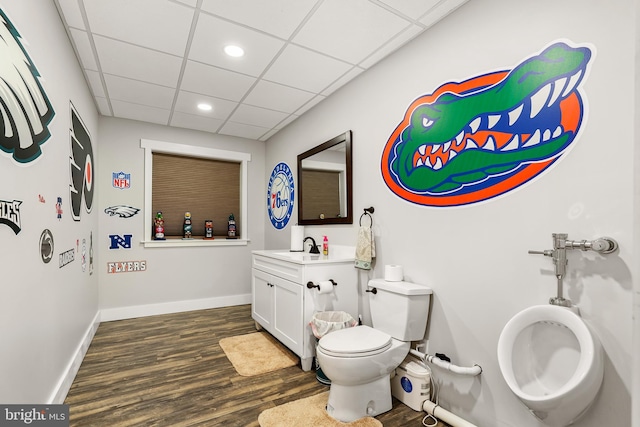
176 279
475 258
45 310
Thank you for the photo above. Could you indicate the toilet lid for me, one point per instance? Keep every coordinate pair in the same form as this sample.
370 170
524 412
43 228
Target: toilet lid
355 342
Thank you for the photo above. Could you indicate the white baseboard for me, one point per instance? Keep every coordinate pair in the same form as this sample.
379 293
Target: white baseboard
120 313
64 384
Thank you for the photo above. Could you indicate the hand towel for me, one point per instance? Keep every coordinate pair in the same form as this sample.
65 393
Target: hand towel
365 248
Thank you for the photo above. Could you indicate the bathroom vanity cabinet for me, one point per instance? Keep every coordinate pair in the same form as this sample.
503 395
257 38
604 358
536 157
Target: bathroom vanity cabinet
283 305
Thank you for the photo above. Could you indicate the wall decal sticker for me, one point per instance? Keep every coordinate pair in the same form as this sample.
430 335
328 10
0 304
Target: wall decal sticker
59 208
10 214
126 266
121 180
67 257
120 241
46 246
474 140
280 195
122 211
25 110
90 253
84 255
81 162
41 198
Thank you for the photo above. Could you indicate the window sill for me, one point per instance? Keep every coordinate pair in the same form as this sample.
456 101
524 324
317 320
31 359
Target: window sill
180 243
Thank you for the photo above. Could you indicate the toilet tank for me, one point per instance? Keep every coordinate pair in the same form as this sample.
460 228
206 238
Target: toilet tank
401 309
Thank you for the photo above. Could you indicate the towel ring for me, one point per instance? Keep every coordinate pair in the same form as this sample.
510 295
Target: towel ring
367 212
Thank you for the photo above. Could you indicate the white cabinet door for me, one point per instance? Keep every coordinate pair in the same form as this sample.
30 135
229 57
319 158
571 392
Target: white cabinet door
262 298
288 323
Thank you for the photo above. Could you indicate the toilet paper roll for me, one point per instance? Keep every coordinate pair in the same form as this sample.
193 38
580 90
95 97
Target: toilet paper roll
393 273
297 235
325 287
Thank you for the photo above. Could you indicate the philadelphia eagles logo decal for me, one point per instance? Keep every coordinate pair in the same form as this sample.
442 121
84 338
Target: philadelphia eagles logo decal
25 110
474 140
81 163
122 211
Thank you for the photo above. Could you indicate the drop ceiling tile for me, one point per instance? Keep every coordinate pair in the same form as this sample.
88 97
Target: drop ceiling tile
306 70
349 30
84 49
187 102
213 34
103 106
257 116
243 130
309 105
139 112
286 121
392 45
209 80
441 10
191 121
277 17
142 22
95 83
71 12
191 3
138 92
353 73
412 8
277 97
138 63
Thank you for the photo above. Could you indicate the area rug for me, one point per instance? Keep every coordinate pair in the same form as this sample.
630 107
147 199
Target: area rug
308 412
257 353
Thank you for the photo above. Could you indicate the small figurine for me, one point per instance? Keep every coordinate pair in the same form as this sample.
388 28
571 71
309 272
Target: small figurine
186 226
231 227
208 229
158 227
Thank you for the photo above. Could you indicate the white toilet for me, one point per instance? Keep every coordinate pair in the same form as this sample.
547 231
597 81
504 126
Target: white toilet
552 362
359 360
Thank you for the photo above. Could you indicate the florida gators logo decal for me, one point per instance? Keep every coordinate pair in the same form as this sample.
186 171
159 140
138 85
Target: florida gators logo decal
471 141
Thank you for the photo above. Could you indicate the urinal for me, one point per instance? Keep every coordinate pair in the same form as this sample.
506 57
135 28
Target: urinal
552 362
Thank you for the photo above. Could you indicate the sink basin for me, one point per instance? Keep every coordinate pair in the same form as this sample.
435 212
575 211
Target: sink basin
299 256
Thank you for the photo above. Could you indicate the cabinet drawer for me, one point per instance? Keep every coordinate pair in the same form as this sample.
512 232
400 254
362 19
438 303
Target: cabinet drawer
284 269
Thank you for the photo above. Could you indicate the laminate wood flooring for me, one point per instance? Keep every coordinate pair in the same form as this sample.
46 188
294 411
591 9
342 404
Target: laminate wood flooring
169 370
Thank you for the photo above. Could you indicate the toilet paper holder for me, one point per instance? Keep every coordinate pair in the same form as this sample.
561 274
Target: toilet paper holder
311 285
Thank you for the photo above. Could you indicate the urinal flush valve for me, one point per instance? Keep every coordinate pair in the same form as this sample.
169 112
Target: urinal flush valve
603 245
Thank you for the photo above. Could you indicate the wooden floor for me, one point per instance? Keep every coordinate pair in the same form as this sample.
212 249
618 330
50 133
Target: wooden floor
169 370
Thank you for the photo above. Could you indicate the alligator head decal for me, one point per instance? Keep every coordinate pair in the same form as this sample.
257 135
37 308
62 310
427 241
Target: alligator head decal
474 140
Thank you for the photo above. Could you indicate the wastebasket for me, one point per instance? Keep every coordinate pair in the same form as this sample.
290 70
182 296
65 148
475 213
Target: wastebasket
324 322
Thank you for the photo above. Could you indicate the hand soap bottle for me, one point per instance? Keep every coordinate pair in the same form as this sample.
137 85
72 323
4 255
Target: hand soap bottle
325 246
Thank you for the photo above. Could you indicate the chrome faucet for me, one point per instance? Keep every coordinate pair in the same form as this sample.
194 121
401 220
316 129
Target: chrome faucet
603 245
314 247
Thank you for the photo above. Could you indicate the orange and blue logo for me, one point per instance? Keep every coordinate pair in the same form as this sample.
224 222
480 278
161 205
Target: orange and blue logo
472 141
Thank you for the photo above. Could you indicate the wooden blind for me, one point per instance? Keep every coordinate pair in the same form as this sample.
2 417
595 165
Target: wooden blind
321 194
209 189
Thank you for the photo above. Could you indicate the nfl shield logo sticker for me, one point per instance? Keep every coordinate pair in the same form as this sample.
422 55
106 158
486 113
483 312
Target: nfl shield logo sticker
121 180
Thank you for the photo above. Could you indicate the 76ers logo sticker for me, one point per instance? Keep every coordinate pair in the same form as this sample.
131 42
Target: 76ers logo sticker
280 195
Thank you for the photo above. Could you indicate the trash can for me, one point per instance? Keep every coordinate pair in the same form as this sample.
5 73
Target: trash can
324 322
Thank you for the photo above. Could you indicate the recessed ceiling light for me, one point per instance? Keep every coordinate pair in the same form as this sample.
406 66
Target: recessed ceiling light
204 107
234 51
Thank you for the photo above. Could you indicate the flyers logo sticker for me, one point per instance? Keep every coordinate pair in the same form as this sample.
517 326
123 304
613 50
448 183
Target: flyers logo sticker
481 138
81 164
25 110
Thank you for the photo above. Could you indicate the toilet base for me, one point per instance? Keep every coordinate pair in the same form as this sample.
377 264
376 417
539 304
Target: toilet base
349 403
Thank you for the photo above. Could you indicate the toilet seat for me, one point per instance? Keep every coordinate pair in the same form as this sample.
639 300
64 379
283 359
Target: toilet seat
359 341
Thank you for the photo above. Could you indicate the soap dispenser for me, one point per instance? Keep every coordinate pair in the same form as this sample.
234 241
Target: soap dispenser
325 246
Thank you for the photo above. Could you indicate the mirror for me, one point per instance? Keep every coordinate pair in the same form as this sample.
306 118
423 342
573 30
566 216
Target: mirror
324 183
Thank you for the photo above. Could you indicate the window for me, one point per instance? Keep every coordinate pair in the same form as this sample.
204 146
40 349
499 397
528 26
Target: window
209 183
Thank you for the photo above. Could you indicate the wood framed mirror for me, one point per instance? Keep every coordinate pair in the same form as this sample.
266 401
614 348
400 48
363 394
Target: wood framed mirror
325 183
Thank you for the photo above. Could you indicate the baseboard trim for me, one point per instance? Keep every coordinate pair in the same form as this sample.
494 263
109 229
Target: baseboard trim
66 380
120 313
